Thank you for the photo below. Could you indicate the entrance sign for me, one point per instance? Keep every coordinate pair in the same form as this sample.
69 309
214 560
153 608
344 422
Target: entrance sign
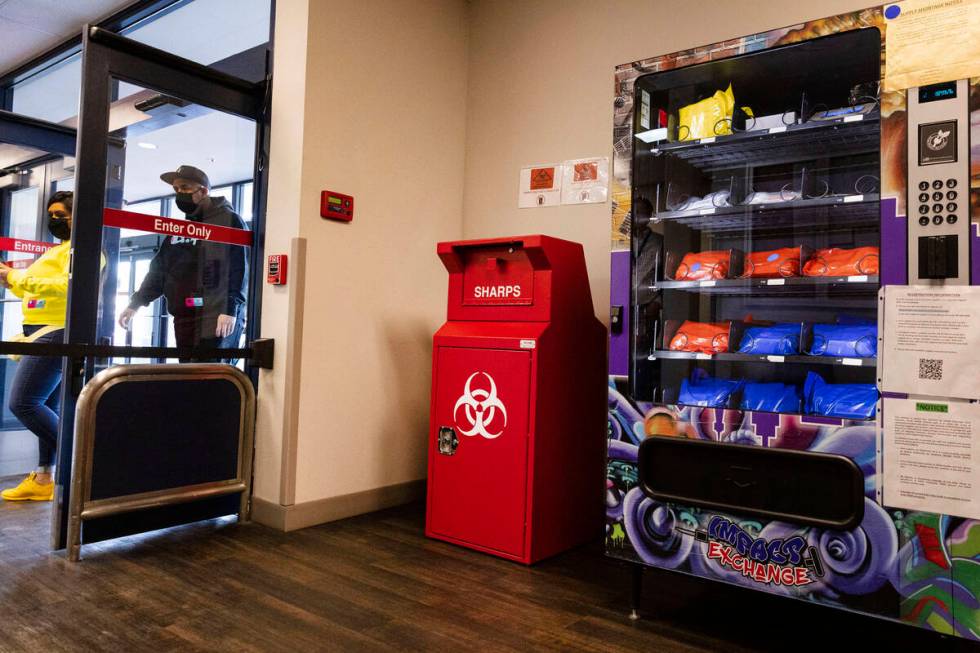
35 247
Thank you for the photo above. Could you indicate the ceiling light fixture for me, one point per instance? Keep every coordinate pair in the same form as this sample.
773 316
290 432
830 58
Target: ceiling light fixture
147 146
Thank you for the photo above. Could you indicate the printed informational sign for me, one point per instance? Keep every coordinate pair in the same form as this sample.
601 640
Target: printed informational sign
931 340
180 228
932 456
586 181
931 41
540 186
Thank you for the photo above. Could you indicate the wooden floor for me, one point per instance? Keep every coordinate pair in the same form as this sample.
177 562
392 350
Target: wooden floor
374 583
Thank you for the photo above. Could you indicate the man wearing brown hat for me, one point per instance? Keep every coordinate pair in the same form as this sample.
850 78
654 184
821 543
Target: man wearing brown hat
203 282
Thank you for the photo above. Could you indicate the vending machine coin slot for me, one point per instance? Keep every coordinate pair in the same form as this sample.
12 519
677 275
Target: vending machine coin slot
938 257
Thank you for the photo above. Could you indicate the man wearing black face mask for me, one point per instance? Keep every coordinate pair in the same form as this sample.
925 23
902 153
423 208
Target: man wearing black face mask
203 282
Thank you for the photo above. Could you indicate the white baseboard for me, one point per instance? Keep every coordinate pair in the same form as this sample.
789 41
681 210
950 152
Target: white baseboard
311 513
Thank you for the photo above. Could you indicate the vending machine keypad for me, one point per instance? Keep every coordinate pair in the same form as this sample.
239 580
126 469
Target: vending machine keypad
938 163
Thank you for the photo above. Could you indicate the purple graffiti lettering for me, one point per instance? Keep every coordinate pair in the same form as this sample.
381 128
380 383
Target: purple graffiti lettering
766 426
792 548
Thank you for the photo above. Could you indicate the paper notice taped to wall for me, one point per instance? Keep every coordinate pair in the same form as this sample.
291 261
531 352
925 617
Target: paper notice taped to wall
930 41
540 186
931 340
931 456
586 181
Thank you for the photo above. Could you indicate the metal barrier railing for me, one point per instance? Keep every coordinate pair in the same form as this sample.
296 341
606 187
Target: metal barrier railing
149 437
259 353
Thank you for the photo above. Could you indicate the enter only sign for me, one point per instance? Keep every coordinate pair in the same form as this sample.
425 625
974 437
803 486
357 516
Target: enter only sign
170 227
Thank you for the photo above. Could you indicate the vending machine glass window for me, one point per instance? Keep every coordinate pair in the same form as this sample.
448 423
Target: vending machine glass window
756 225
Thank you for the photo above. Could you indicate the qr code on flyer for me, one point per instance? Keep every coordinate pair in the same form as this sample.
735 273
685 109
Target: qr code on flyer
931 369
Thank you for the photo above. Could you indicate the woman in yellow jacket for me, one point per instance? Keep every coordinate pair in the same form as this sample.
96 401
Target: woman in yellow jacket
34 396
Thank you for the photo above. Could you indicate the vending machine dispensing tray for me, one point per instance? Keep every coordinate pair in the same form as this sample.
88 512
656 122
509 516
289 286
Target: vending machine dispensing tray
800 487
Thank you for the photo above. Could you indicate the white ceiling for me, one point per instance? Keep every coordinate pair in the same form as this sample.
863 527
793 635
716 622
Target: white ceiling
221 145
29 27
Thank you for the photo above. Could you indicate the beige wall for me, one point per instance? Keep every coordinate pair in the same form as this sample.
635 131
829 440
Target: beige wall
541 90
425 110
285 191
381 117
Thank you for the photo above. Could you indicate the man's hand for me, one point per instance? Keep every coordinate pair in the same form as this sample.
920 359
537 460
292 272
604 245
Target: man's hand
126 318
4 271
226 324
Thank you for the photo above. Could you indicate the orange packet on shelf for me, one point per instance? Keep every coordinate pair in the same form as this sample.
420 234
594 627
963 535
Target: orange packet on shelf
701 337
772 264
837 262
703 266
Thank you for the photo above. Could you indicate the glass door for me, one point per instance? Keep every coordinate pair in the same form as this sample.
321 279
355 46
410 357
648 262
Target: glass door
163 254
36 161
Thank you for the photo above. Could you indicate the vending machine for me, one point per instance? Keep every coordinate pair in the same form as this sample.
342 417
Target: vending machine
793 233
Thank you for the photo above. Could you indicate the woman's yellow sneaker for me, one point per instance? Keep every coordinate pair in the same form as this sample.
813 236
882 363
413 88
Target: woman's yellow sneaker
29 490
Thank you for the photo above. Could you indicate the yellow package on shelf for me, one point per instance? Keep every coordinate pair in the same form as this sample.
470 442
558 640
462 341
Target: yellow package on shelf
708 117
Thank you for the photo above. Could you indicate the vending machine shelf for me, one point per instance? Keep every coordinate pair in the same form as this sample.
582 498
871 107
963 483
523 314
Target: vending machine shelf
842 211
809 140
852 285
755 358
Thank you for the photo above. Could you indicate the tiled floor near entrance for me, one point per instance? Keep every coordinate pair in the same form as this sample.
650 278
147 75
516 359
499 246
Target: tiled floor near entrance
374 583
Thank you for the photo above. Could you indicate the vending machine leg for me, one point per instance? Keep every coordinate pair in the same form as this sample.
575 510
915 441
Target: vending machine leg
636 593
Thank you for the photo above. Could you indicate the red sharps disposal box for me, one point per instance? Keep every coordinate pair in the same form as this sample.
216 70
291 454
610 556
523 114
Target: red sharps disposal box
518 420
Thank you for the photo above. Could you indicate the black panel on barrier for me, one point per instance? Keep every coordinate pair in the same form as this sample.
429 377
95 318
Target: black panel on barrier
144 521
802 487
157 435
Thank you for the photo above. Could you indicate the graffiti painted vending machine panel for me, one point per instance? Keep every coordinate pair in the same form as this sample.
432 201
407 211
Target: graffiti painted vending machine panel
764 195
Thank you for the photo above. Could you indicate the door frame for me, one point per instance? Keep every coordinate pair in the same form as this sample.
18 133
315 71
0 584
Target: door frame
107 56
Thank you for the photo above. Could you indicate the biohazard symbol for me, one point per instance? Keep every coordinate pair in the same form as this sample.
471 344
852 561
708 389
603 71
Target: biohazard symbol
480 408
542 178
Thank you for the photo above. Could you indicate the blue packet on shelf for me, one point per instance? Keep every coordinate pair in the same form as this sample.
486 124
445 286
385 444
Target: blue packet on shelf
772 397
778 339
849 400
848 340
707 392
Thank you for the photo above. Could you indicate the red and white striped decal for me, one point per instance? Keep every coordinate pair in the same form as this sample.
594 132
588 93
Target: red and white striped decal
170 227
35 247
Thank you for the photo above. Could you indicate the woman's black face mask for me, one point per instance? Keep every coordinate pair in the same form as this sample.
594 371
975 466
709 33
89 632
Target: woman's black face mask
59 226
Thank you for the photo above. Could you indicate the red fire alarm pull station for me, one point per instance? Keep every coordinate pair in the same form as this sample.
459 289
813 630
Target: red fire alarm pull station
277 269
518 416
336 206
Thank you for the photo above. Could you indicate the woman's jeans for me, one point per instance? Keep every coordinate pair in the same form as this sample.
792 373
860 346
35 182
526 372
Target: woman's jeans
35 398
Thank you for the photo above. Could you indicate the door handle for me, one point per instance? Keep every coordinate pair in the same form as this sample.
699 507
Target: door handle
447 440
616 319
